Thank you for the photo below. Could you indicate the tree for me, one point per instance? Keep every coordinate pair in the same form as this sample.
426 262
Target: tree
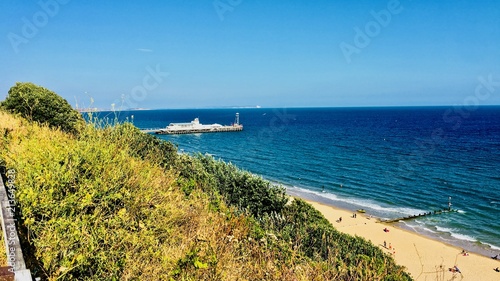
39 104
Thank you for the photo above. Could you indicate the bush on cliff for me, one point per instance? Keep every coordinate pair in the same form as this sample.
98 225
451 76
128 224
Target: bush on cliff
39 104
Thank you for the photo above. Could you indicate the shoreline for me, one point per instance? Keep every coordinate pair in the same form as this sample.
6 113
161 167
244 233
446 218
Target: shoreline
446 237
423 257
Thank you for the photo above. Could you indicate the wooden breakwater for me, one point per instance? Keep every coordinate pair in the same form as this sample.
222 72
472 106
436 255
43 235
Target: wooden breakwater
449 210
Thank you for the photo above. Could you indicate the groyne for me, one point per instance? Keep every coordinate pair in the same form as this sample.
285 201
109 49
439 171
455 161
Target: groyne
438 212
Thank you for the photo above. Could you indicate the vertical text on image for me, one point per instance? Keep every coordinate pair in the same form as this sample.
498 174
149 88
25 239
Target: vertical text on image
11 192
10 226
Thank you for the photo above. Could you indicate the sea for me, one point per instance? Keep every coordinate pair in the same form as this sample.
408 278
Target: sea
391 161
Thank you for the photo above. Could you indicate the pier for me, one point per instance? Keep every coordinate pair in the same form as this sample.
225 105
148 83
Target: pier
192 131
200 130
147 131
195 127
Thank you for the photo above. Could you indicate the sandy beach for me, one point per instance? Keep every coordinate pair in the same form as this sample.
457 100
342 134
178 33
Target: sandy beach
424 258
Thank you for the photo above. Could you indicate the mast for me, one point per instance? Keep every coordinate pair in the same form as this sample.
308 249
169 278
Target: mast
237 119
449 203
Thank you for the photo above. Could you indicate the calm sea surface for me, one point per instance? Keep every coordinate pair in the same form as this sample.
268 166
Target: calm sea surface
392 162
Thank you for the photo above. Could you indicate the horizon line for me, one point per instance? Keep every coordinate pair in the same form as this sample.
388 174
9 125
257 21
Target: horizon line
96 109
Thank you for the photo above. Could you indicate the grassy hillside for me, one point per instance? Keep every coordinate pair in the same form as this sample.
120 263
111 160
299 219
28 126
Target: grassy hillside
112 203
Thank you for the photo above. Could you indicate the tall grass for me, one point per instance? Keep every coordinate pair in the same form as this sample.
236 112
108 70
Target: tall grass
293 227
112 203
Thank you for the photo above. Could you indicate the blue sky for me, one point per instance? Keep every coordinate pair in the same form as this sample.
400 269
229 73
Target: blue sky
215 53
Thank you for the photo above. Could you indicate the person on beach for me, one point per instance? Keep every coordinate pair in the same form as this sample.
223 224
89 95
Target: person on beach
340 219
497 269
385 244
495 257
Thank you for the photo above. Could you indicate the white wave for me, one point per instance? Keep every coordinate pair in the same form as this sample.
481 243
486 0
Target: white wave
414 225
455 234
496 248
461 211
429 230
444 229
327 195
463 237
367 204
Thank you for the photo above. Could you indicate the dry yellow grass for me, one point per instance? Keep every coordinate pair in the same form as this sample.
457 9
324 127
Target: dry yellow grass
3 254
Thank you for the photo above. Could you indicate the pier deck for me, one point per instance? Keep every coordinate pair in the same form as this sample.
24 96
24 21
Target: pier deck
203 130
147 131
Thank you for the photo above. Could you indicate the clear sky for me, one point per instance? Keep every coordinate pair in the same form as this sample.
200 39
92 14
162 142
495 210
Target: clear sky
215 53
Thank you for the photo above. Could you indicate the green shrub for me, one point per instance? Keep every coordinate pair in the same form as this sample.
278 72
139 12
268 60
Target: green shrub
41 105
144 146
241 189
297 224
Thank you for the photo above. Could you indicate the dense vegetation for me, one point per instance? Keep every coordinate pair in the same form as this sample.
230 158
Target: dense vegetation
112 203
39 104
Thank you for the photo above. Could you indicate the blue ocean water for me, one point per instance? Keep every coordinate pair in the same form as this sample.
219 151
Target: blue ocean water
392 162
